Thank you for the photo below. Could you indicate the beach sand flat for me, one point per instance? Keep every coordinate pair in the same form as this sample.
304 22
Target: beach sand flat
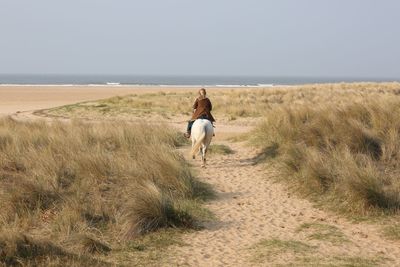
25 98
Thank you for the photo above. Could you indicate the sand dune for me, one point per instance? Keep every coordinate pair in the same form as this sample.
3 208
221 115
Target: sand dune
250 207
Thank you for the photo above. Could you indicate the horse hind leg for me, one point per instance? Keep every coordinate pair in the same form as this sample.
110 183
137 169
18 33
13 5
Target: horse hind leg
193 142
203 156
204 163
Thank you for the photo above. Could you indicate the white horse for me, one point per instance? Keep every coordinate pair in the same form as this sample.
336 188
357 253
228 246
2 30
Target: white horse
202 133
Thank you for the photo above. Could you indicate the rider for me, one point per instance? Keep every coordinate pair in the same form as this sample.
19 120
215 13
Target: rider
201 110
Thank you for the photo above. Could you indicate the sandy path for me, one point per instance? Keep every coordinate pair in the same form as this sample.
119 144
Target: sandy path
250 207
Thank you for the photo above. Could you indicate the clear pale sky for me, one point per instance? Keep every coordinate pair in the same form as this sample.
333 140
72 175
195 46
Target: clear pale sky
347 38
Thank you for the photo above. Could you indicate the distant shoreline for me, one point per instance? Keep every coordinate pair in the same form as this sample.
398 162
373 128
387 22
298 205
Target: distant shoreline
147 85
174 80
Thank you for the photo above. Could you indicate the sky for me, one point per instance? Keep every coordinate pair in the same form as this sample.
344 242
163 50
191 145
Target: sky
324 38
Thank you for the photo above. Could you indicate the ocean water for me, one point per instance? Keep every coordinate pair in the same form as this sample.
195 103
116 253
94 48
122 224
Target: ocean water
27 79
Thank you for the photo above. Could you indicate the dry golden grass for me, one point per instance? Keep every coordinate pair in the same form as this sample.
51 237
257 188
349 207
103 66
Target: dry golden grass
346 153
72 192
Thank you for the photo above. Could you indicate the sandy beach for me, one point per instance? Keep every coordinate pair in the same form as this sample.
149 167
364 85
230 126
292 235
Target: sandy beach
25 98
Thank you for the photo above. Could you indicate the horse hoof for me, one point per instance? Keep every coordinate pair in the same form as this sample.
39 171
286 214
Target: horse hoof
193 157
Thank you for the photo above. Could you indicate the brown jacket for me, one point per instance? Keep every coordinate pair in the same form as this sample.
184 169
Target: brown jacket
202 107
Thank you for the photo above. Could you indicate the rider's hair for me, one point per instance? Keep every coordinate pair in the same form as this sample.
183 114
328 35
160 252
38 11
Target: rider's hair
202 93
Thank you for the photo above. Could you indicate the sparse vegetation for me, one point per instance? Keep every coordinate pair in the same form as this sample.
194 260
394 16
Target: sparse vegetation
74 192
268 248
220 149
149 250
297 253
392 231
337 261
323 232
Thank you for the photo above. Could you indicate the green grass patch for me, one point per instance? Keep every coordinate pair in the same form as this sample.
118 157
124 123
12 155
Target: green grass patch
392 232
157 240
150 250
220 149
323 232
297 253
336 261
202 191
284 245
196 211
268 248
163 104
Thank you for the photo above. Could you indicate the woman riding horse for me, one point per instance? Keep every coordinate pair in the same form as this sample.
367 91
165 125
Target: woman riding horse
201 110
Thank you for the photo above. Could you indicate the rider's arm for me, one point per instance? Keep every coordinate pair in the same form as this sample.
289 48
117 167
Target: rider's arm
195 105
210 104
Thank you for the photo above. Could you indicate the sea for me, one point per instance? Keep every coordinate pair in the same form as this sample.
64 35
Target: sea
174 80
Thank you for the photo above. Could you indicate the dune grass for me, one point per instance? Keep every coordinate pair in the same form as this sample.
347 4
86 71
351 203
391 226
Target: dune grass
73 192
238 106
344 154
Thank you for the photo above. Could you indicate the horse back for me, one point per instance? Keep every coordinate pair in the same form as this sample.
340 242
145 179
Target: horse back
203 124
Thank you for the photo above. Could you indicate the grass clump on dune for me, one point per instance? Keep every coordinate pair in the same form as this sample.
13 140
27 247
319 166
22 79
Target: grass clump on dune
346 154
75 190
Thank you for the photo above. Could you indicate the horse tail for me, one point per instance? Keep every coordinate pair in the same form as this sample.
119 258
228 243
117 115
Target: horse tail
197 145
